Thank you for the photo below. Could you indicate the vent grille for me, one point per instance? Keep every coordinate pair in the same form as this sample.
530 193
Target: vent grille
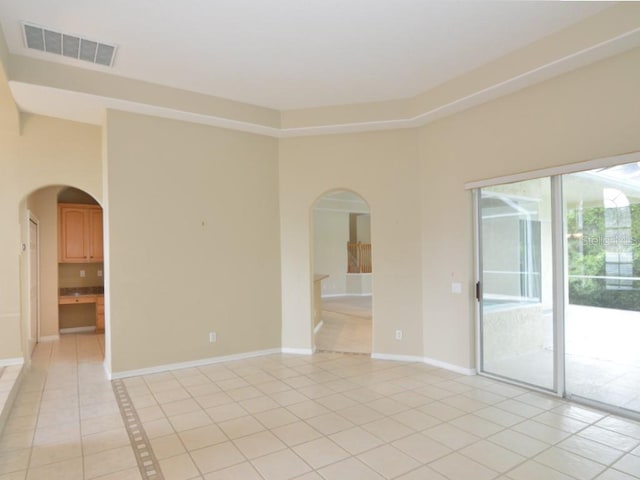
72 46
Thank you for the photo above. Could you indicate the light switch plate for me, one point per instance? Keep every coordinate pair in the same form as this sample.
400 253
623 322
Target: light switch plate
456 287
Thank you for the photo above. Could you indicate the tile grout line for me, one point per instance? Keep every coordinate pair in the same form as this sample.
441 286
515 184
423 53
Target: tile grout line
146 459
515 397
49 358
343 371
77 359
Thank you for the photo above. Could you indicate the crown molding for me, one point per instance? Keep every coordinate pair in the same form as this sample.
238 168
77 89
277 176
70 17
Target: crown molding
40 87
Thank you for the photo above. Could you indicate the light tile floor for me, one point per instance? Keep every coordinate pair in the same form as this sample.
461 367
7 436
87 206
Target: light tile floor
347 325
327 416
8 376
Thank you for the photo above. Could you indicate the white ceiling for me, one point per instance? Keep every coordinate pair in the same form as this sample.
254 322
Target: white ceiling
288 54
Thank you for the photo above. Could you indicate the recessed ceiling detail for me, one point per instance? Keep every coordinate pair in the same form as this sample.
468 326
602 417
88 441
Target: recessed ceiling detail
72 46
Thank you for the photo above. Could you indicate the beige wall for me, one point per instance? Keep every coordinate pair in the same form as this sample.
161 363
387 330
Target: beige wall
331 234
383 168
69 274
172 278
583 115
363 229
48 152
193 241
422 230
43 204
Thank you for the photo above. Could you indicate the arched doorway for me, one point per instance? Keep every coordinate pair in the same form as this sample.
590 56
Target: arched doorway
342 270
65 291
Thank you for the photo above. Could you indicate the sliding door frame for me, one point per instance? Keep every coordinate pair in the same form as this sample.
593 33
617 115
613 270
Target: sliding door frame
560 290
557 251
559 272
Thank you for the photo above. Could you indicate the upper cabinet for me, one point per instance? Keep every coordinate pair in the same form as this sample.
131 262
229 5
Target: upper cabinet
79 233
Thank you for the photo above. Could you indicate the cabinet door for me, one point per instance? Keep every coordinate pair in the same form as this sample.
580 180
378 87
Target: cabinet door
73 245
100 313
96 252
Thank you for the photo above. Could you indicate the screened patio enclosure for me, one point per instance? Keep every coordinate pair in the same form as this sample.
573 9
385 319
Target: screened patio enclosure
559 276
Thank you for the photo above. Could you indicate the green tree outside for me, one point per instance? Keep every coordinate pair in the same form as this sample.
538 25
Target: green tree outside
587 257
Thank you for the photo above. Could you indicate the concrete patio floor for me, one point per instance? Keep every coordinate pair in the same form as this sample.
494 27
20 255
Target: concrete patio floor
602 357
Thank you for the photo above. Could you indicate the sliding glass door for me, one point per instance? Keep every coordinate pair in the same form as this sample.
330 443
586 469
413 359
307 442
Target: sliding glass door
559 284
516 301
602 318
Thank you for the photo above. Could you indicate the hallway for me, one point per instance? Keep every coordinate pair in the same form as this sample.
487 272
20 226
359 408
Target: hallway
65 423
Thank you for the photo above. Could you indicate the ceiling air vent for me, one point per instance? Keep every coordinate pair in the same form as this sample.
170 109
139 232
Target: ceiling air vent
72 46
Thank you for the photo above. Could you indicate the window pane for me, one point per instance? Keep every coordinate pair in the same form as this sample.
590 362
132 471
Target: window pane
517 303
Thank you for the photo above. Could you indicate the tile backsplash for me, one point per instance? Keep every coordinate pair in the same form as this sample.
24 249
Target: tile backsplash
69 275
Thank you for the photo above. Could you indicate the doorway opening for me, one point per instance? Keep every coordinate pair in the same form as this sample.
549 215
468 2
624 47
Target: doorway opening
343 271
64 267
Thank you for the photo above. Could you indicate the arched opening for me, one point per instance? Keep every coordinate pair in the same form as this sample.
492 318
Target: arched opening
342 273
62 267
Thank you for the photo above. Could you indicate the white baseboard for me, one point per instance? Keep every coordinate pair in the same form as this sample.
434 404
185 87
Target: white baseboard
428 361
7 362
318 327
297 351
191 364
396 358
77 330
49 338
450 366
7 404
338 295
107 370
259 353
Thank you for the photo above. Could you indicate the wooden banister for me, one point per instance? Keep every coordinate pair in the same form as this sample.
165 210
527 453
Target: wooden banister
359 257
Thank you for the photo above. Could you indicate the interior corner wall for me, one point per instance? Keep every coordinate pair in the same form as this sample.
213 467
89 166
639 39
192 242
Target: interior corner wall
382 167
43 204
363 229
331 235
47 152
586 114
193 241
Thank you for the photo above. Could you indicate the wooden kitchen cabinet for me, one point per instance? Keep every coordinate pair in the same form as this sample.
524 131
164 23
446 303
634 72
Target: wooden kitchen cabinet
79 299
79 233
96 251
100 313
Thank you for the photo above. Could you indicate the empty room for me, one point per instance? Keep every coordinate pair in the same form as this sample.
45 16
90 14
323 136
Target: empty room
277 239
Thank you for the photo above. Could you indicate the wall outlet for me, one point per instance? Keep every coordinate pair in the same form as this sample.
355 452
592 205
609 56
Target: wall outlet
456 287
213 337
83 274
99 273
398 334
